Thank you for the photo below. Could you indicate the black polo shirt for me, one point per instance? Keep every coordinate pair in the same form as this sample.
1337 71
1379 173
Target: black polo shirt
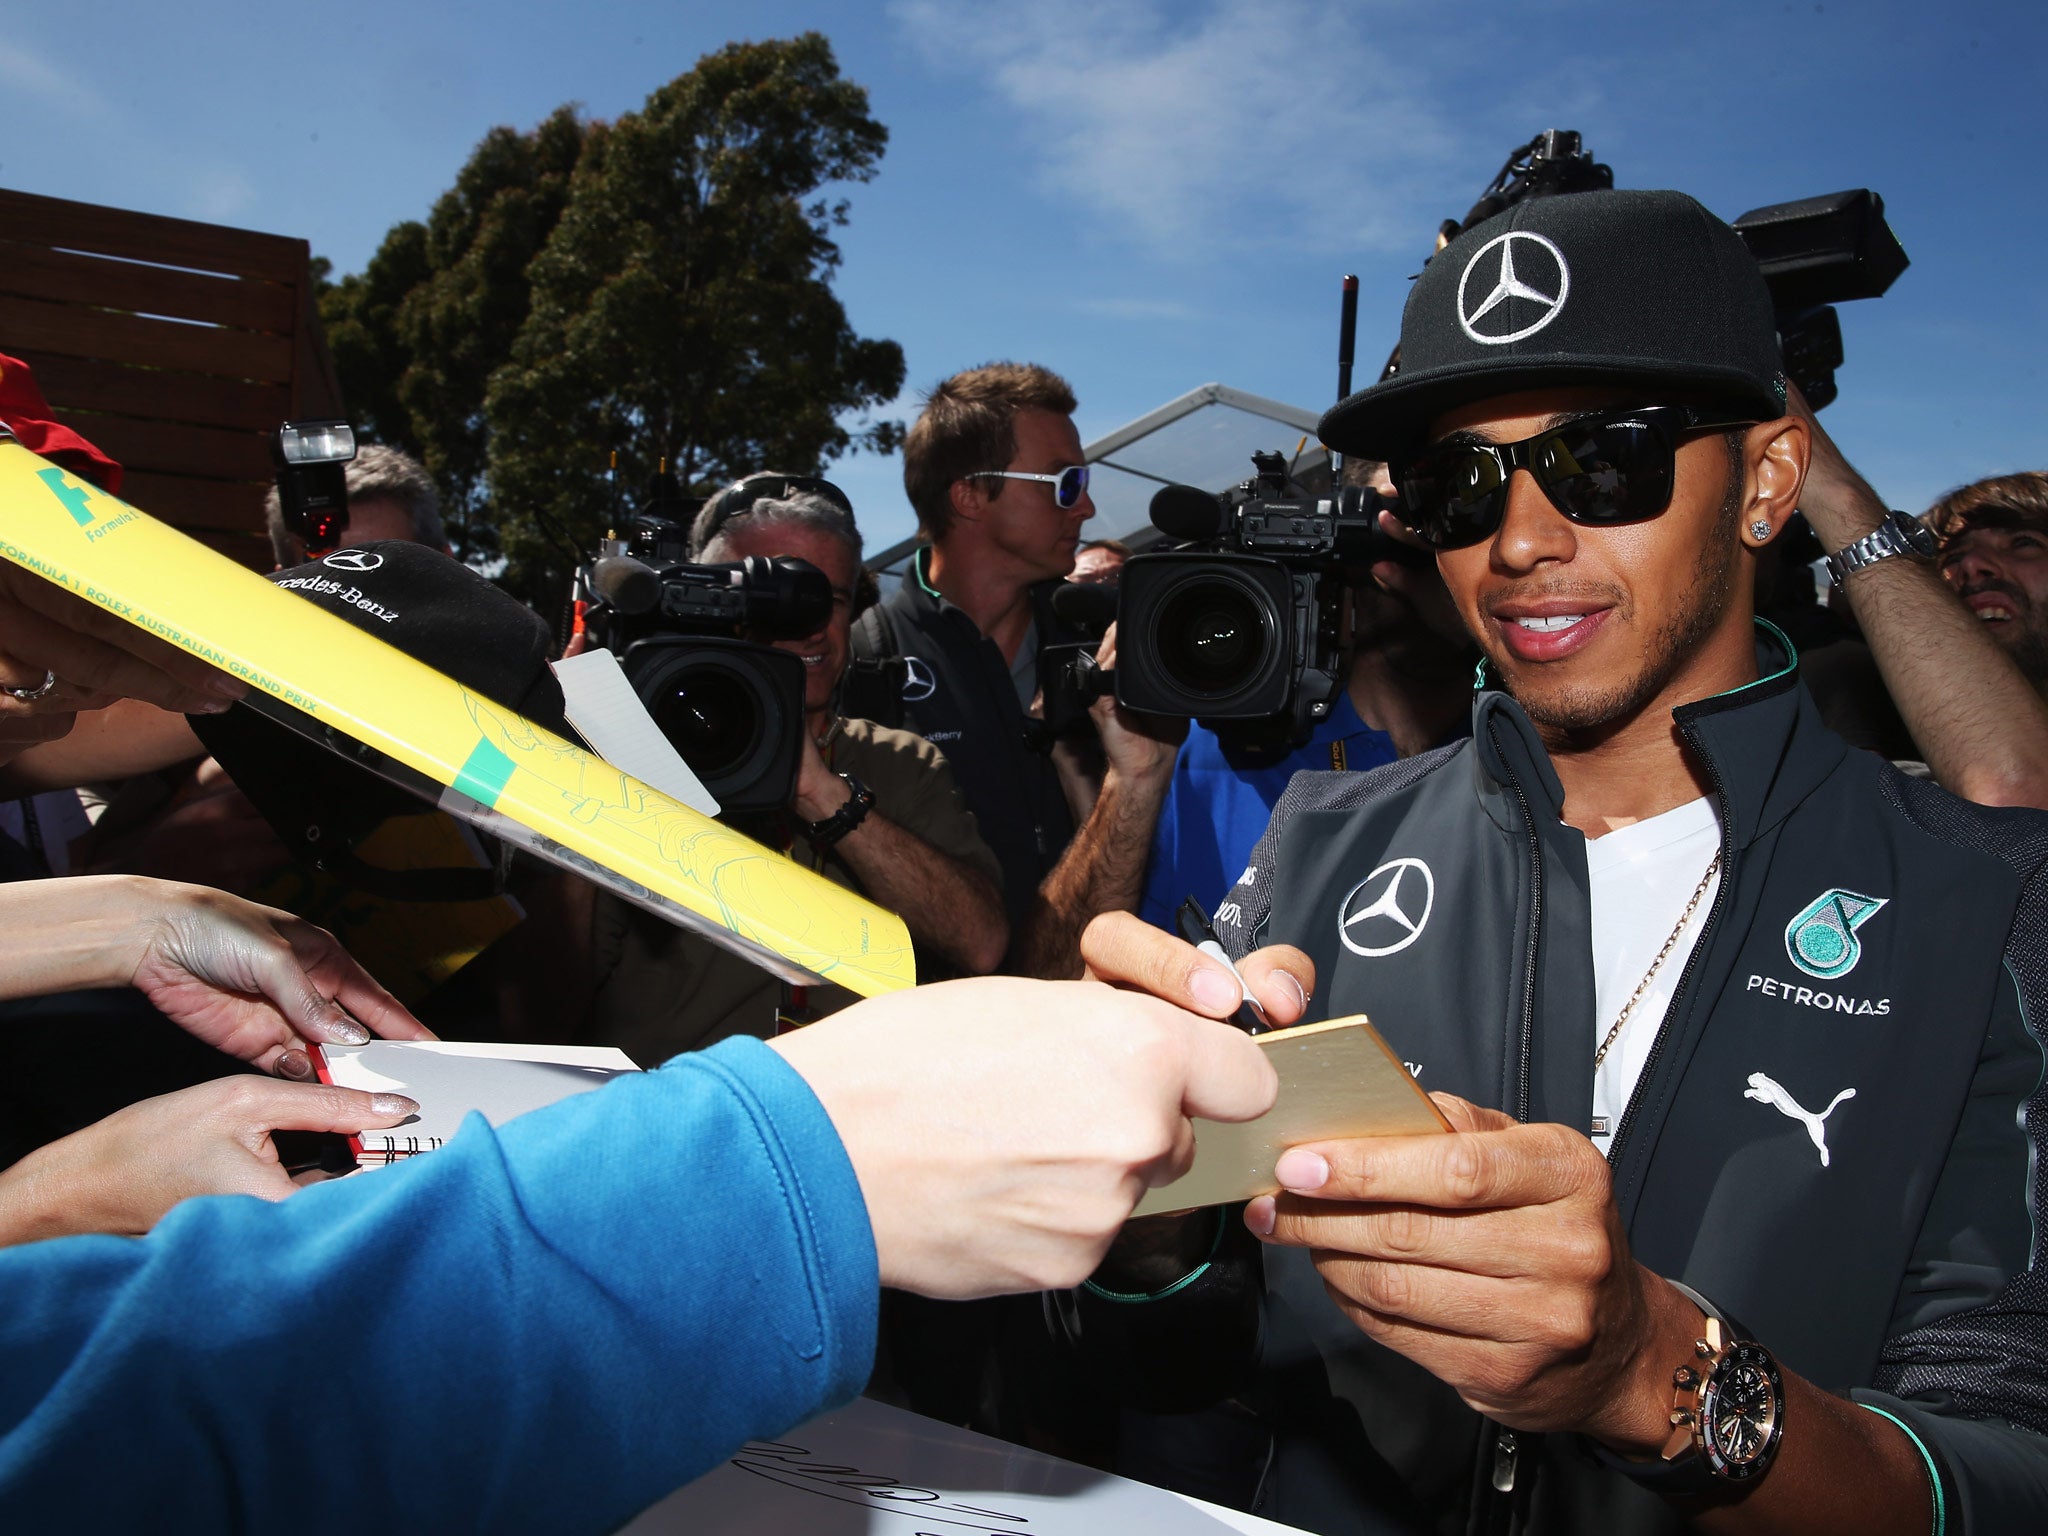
959 696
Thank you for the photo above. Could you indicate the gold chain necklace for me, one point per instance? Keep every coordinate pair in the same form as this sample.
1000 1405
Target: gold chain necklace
1642 986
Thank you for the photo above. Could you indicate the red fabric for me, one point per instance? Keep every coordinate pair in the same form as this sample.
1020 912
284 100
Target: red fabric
27 415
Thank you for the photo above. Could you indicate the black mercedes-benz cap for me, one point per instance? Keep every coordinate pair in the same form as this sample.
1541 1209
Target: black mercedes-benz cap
1587 288
435 609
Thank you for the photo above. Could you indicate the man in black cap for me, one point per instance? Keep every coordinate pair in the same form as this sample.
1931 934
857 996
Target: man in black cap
1738 1222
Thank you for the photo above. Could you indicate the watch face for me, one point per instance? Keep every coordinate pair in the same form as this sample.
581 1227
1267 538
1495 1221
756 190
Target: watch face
1741 1413
1918 536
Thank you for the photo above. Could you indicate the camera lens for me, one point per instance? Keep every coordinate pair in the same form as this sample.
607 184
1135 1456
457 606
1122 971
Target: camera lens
733 710
1212 636
711 715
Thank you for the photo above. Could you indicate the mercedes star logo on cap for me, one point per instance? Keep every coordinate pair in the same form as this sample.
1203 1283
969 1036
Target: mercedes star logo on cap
1387 911
354 560
1542 266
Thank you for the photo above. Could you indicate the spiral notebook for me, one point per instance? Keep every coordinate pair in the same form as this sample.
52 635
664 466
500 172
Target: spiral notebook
450 1078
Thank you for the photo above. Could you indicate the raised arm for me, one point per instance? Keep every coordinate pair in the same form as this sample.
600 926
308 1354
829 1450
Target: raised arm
1983 727
1103 869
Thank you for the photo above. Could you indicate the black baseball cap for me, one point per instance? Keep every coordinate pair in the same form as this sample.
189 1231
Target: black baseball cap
1628 288
435 609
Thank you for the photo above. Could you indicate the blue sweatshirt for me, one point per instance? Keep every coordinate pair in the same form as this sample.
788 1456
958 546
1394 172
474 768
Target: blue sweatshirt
546 1327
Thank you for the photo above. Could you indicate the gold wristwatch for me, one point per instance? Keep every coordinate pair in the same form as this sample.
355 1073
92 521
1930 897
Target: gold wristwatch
1727 1414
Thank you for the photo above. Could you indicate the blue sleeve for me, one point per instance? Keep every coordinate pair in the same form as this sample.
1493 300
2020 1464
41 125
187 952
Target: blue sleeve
545 1327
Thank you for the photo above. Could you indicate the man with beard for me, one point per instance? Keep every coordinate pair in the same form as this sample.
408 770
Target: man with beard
1994 552
1738 1219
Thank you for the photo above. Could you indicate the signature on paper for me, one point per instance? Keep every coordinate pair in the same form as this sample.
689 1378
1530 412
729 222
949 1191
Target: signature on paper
795 1467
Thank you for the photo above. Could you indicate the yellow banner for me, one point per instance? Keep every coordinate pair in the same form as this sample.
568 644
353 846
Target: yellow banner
501 771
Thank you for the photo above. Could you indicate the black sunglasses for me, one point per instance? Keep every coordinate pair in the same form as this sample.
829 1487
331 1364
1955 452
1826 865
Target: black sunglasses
1614 467
738 498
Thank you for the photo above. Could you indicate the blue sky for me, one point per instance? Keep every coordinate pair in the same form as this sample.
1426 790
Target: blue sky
1148 196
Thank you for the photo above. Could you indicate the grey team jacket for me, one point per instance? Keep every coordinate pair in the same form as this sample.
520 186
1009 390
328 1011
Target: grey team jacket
1835 1138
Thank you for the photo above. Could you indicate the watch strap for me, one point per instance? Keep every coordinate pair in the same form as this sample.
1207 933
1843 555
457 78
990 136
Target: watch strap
823 834
1682 1471
1899 534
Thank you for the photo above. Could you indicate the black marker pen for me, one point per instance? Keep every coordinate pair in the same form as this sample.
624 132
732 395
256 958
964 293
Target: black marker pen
1194 926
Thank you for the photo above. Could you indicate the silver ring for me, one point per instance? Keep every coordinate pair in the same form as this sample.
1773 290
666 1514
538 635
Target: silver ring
47 687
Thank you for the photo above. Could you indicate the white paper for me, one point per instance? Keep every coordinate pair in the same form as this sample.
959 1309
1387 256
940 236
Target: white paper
871 1470
450 1078
612 721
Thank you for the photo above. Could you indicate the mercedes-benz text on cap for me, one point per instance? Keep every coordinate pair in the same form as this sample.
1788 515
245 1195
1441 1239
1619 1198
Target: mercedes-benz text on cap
1631 288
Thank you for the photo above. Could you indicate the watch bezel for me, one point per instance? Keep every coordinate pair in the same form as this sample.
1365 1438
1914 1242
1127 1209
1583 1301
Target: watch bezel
1743 1359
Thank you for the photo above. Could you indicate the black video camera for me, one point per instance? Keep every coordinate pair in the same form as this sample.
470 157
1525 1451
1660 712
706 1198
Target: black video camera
1239 625
734 709
1817 253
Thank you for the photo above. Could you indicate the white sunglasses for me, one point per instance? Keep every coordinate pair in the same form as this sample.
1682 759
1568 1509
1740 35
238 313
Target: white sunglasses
1068 486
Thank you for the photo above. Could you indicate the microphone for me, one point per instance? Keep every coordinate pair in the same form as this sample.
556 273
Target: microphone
1088 606
628 585
1187 512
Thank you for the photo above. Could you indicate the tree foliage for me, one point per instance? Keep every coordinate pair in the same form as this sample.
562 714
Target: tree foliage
417 334
682 308
659 286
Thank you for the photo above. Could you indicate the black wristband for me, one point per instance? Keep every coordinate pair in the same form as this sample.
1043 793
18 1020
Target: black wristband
823 834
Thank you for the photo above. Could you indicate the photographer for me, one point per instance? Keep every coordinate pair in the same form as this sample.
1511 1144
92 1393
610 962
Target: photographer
1409 688
875 809
1168 826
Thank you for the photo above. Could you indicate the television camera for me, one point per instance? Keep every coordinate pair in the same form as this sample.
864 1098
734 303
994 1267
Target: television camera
686 636
1240 623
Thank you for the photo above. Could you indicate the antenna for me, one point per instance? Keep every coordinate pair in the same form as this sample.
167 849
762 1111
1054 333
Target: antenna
1347 334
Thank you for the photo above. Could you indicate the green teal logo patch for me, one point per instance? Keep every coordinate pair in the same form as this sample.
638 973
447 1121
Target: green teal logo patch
74 497
1822 939
484 775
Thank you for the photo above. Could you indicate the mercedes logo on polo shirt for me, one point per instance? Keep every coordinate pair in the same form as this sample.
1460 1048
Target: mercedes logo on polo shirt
918 682
354 560
1388 909
1517 265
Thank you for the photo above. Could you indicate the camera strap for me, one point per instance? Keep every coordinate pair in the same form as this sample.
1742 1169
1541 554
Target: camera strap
872 687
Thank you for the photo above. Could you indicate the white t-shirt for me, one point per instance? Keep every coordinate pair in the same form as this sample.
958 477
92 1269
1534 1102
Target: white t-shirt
1642 877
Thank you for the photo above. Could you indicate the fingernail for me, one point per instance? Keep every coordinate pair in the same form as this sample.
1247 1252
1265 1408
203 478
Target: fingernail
294 1064
1301 1170
1259 1216
1294 986
346 1031
206 706
1214 991
393 1104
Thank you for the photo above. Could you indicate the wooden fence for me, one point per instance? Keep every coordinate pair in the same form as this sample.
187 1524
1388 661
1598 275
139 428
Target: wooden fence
177 347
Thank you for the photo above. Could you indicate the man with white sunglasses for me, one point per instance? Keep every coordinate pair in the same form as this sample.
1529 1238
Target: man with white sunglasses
993 466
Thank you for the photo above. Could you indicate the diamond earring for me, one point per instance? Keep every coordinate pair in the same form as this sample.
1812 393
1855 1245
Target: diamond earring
1760 531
